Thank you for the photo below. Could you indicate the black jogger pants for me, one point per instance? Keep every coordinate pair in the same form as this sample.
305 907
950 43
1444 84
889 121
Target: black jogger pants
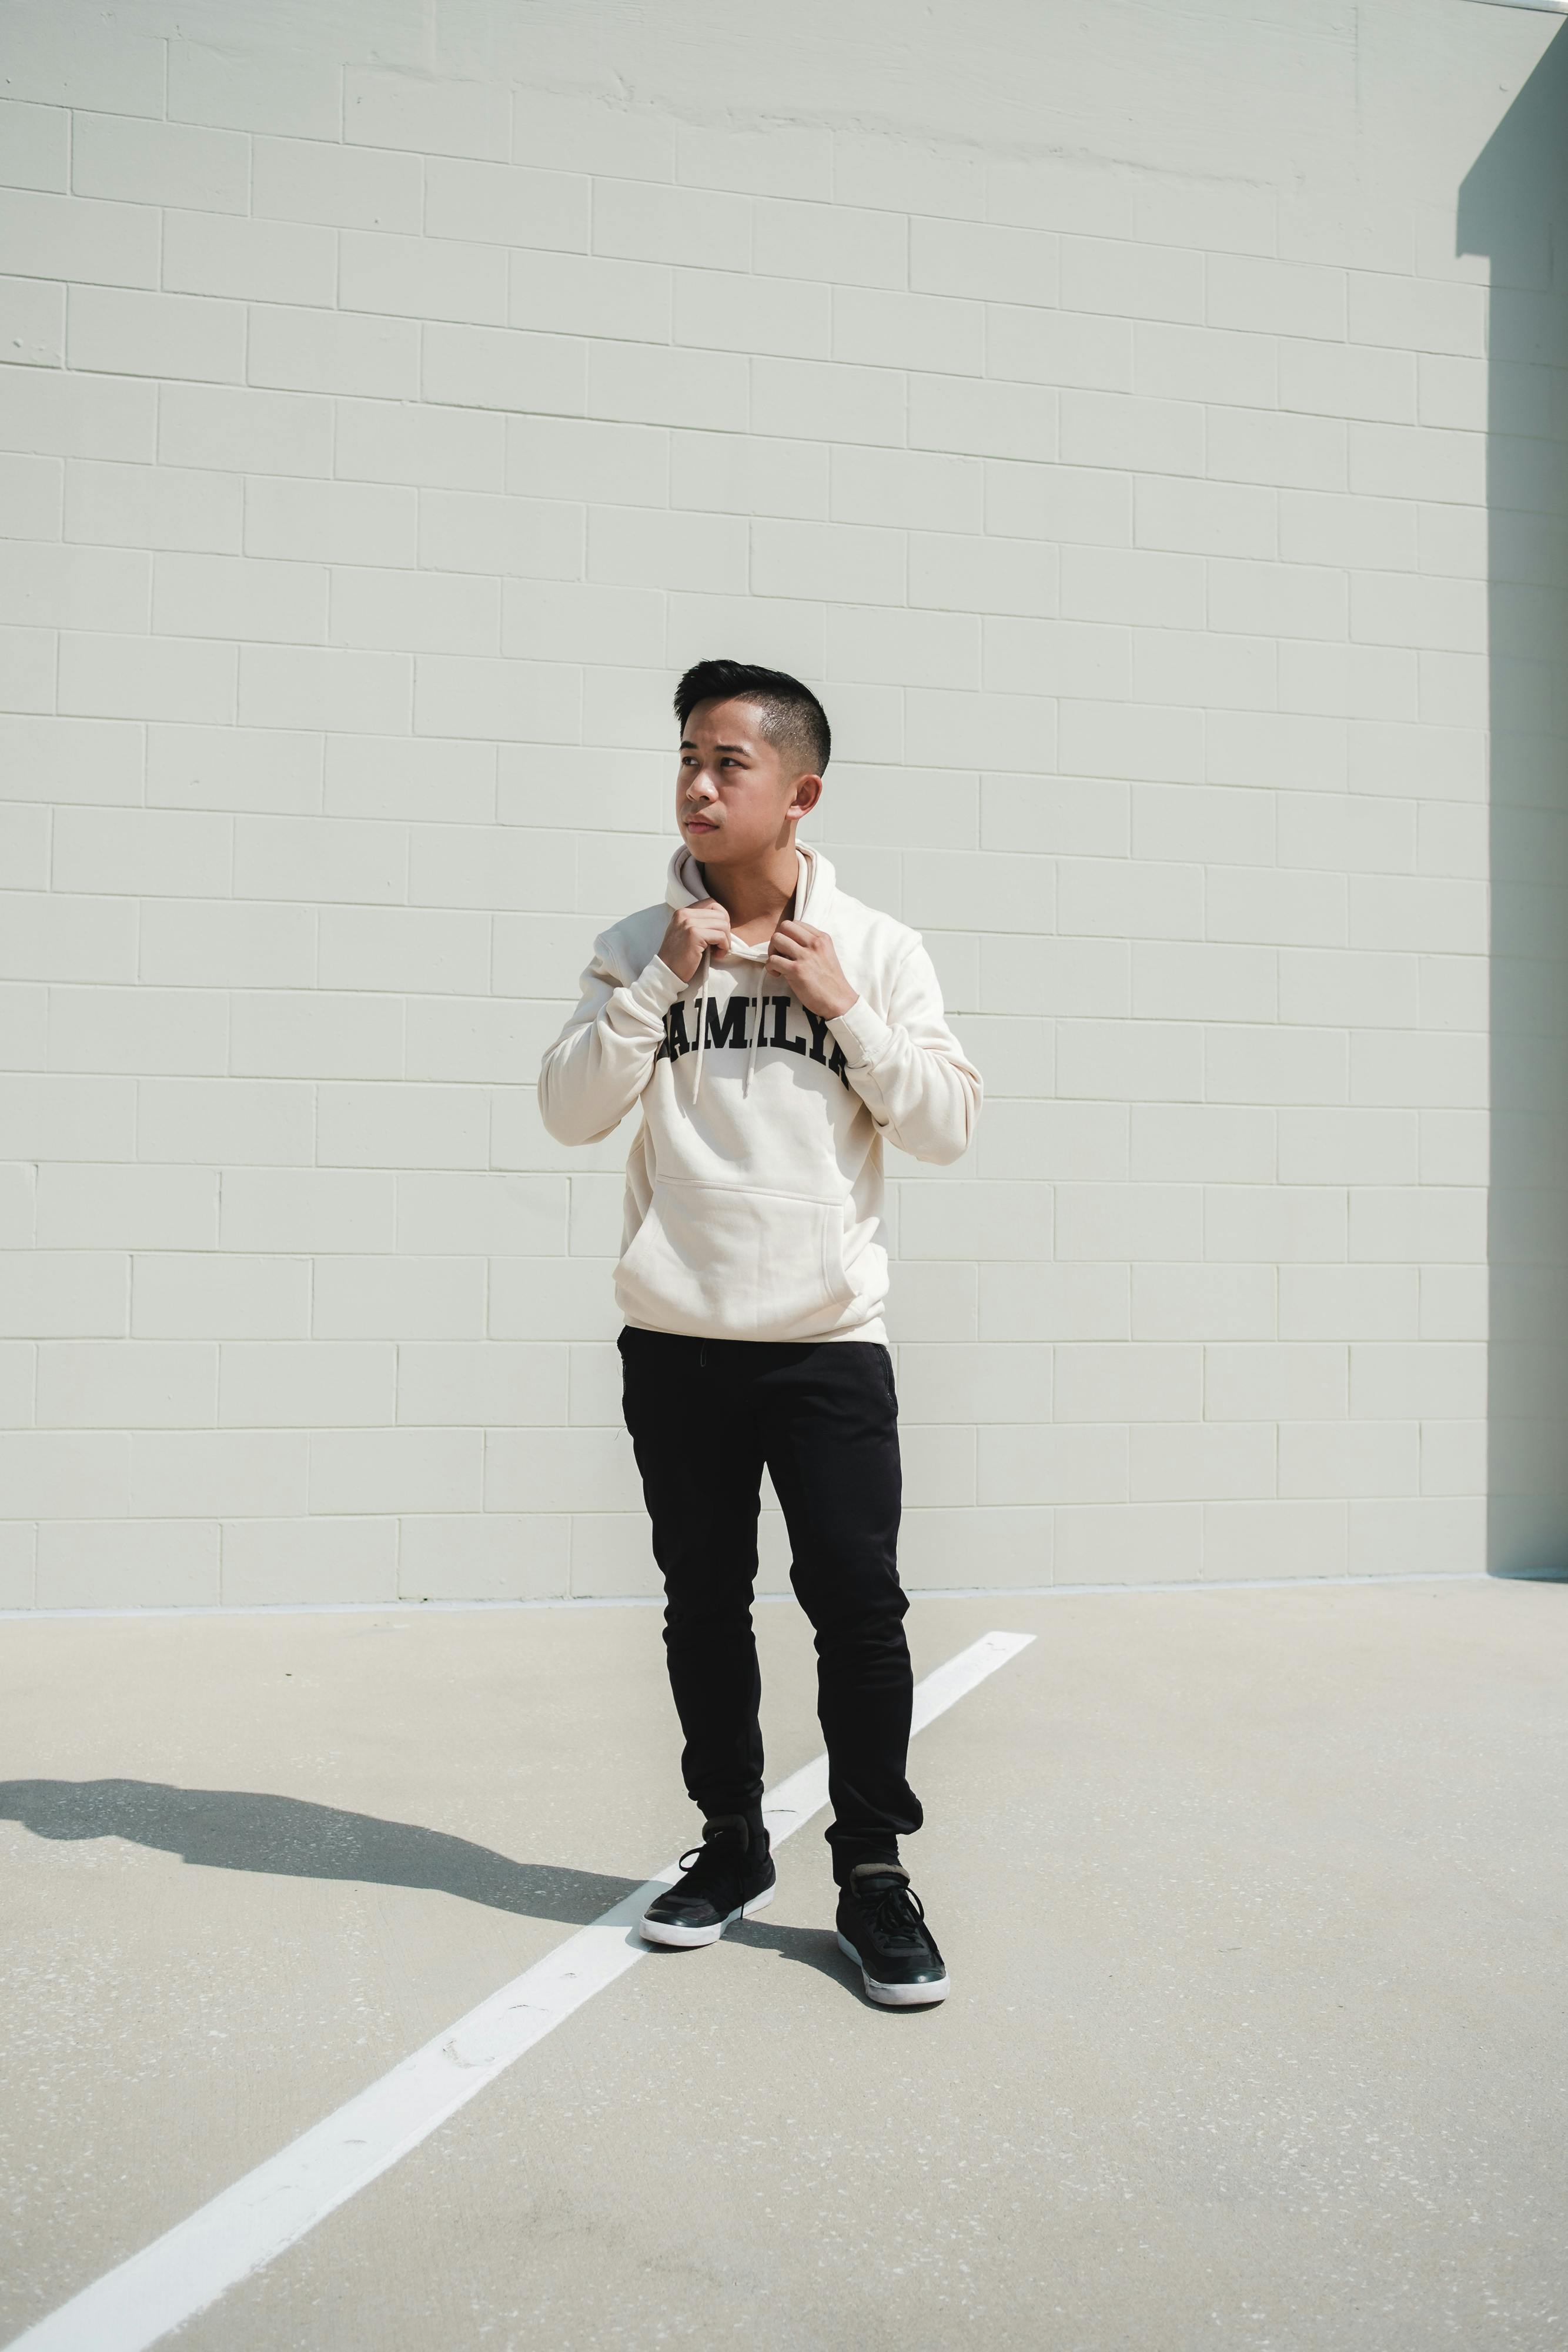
705 1416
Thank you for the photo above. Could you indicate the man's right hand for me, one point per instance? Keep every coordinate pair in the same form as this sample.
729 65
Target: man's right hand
704 924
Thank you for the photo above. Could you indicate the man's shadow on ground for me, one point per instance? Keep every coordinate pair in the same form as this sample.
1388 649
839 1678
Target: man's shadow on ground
287 1837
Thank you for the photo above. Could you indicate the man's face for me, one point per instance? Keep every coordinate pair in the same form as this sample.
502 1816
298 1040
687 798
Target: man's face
735 796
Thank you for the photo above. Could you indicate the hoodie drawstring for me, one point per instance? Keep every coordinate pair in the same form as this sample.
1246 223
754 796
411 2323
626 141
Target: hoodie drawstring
700 1008
704 975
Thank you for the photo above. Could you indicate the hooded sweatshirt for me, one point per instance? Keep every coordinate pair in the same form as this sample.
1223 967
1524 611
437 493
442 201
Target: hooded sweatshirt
754 1185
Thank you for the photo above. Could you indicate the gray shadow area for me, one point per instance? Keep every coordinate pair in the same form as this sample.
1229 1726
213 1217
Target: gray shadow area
1514 207
288 1837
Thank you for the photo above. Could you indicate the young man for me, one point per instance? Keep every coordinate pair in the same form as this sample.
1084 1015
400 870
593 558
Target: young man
774 1031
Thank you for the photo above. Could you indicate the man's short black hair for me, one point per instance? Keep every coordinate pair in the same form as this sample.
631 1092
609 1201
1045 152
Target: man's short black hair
793 720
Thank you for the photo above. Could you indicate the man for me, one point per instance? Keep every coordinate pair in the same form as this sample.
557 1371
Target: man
774 1031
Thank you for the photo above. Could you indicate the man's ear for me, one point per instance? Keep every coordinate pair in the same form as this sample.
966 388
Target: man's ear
804 794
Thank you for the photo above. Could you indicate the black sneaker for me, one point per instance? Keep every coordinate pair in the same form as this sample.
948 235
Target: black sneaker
882 1929
731 1876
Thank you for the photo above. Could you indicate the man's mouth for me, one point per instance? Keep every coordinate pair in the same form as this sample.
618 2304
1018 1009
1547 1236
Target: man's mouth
700 825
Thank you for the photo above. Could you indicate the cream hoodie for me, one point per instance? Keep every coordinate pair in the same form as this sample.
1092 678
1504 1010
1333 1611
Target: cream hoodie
754 1185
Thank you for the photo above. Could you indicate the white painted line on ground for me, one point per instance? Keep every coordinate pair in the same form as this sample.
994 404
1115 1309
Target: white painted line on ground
251 2223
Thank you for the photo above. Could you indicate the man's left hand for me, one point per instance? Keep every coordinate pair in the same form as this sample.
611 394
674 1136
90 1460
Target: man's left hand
808 959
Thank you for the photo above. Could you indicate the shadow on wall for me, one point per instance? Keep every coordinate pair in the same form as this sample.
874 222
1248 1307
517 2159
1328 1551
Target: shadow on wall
1513 206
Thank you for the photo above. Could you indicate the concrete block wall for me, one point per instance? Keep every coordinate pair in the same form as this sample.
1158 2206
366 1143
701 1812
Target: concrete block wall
389 411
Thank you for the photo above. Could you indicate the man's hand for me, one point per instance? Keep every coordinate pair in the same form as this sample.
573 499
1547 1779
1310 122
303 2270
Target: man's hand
808 959
704 924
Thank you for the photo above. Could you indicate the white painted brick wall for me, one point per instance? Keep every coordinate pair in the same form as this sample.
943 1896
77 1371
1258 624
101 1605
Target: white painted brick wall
382 429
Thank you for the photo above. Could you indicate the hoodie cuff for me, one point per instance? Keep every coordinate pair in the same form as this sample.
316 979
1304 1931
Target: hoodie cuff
655 988
861 1031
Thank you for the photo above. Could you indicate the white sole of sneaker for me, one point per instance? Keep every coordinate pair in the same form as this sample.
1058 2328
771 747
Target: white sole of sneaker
688 1940
894 1996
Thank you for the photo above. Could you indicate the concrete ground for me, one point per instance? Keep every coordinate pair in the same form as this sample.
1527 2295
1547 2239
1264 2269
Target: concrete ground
1253 1900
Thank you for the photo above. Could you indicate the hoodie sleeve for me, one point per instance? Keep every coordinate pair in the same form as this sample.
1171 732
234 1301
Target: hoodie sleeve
602 1059
910 1071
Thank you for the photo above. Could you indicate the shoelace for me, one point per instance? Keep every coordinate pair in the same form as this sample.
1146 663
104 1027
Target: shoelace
896 1913
718 1853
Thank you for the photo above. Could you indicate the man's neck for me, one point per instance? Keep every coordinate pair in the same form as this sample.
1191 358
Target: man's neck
755 897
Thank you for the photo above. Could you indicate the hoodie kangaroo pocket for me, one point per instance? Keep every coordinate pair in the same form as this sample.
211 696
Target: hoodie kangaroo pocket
713 1260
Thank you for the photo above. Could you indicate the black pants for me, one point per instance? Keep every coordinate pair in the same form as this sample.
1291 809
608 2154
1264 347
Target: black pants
706 1415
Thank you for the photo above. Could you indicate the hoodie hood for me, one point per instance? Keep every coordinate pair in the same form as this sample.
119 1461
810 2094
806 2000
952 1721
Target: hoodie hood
684 885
